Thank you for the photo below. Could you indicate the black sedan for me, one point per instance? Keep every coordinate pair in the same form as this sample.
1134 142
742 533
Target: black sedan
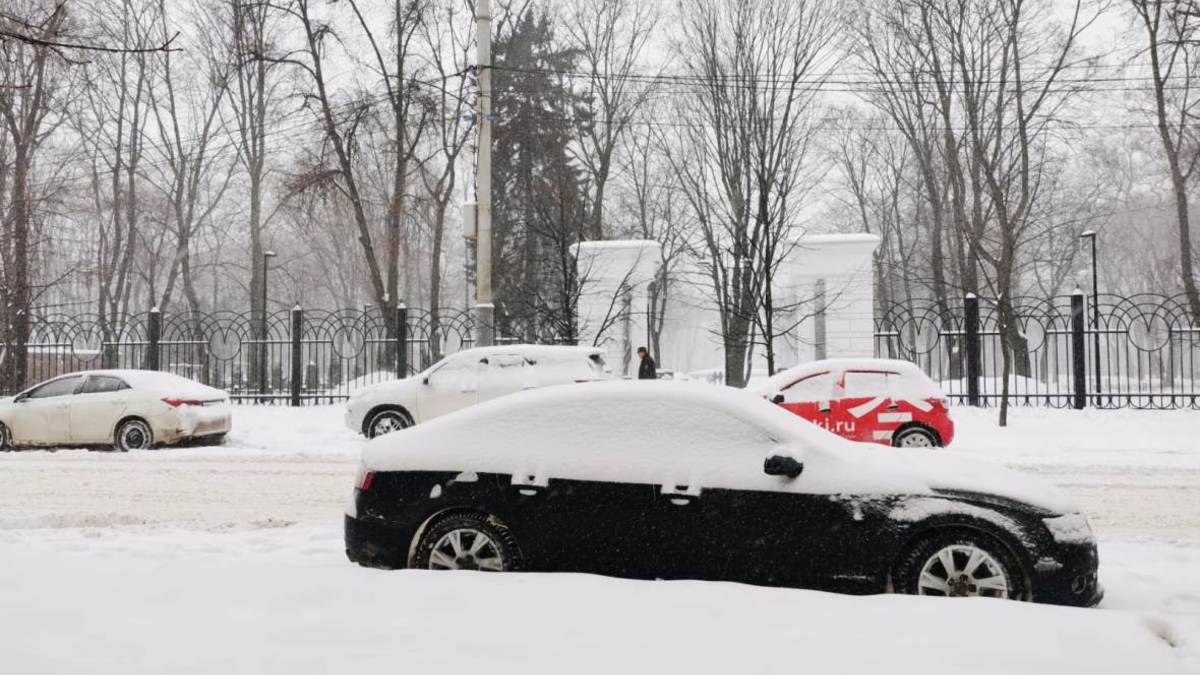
685 481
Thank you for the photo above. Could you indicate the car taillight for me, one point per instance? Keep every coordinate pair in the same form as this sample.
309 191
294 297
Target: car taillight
176 402
364 483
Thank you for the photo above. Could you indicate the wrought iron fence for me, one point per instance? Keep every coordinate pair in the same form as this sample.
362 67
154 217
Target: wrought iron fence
295 356
1141 351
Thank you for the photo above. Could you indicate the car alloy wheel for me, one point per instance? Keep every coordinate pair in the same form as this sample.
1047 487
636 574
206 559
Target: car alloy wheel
386 422
5 440
466 549
915 438
134 435
962 571
467 541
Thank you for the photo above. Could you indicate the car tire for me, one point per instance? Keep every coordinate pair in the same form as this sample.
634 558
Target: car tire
5 439
915 437
467 541
953 562
133 435
387 421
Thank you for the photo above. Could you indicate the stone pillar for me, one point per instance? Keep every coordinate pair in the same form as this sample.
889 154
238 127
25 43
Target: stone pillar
837 268
614 279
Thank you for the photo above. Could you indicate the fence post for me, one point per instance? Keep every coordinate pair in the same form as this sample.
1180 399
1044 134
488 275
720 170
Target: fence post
974 357
154 330
297 355
401 341
1078 358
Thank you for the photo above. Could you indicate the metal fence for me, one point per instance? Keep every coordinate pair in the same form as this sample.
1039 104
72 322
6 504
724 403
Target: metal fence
1141 351
293 356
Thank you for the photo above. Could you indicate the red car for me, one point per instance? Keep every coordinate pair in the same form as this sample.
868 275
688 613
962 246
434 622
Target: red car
870 400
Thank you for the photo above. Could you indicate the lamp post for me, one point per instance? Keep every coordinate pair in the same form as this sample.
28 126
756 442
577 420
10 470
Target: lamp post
1091 235
262 346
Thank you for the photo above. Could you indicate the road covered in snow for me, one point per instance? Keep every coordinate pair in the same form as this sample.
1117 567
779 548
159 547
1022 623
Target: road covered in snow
228 560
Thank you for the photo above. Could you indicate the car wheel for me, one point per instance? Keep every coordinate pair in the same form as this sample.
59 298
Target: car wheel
5 439
133 435
385 422
467 541
960 564
915 437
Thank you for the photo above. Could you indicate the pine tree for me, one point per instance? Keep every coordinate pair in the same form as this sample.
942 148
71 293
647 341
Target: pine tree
539 204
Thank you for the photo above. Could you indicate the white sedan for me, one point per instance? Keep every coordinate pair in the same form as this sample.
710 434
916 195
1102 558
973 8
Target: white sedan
128 409
466 378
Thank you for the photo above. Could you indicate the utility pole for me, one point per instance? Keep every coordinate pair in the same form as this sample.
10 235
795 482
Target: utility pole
484 309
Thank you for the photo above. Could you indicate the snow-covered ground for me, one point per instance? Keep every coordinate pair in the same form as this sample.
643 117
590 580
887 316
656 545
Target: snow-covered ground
228 560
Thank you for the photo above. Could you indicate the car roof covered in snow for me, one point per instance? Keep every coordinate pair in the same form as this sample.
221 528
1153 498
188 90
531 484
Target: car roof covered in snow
153 379
680 433
538 351
790 375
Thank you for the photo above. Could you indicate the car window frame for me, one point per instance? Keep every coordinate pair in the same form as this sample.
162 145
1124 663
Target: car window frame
841 382
82 389
835 383
29 394
466 361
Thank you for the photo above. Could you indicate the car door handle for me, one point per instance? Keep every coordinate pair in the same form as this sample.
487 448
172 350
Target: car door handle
527 486
679 496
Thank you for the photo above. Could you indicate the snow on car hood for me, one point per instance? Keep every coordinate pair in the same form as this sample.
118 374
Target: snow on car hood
680 433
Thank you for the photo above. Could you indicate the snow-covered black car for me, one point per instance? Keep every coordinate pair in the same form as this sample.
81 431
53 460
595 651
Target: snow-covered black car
685 481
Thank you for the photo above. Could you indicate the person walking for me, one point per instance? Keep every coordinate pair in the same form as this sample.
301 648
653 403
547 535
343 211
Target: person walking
646 369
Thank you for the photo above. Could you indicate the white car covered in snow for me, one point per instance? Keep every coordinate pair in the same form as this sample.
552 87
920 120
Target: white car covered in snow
467 378
128 409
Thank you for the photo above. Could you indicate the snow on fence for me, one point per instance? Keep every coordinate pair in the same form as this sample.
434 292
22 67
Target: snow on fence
1141 351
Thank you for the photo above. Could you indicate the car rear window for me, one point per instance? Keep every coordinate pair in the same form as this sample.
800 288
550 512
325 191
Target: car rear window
102 384
864 383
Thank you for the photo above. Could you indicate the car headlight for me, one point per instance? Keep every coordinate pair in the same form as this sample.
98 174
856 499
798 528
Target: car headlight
1072 528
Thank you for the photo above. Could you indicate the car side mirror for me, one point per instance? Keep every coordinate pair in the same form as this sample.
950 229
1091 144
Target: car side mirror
777 399
425 380
783 465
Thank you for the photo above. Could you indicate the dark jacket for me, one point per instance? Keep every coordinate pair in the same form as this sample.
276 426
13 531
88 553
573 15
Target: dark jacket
646 370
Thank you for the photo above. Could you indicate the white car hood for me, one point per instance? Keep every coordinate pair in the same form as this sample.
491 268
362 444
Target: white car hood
389 389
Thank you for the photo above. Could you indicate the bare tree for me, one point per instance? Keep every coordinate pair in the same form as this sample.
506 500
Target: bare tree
653 199
449 48
1010 59
1172 45
110 119
30 81
756 65
610 36
190 176
341 126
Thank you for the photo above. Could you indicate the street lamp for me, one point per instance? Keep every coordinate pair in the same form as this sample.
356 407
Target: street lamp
262 360
1091 234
